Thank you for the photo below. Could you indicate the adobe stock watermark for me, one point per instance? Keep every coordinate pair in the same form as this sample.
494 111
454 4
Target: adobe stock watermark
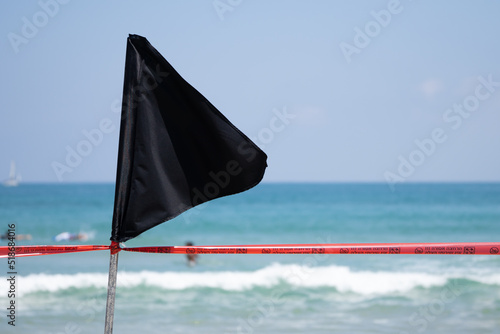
32 25
420 320
278 123
90 310
85 147
280 120
452 117
220 180
266 308
85 312
224 6
373 28
95 137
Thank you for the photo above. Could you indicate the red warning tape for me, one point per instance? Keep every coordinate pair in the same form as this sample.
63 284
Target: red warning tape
477 248
18 251
460 248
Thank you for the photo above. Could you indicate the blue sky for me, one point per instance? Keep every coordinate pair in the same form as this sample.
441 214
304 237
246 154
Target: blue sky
342 91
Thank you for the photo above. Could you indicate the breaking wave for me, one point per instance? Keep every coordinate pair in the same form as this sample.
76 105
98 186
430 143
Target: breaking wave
342 278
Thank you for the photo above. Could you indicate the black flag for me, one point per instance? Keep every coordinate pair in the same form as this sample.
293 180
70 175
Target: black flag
176 149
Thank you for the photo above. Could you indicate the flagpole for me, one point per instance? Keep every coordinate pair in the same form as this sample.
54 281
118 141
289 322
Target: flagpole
110 302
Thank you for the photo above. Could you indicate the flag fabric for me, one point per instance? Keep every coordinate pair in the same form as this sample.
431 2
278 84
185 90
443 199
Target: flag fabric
176 149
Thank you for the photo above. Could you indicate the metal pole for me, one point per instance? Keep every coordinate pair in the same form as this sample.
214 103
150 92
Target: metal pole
110 303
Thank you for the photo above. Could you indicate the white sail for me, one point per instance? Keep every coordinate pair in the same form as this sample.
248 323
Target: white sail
12 174
14 178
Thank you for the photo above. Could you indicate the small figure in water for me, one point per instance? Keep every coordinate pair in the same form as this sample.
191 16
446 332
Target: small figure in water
18 236
191 257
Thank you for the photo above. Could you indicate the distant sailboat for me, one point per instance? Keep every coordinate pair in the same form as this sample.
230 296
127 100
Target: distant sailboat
14 178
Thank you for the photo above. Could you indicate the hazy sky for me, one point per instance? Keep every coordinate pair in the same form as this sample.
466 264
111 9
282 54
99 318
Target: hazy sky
404 91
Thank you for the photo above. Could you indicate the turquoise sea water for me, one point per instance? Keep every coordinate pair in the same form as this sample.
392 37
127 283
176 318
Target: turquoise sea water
159 293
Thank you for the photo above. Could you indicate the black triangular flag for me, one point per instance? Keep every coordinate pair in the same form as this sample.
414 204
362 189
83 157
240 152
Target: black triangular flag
176 149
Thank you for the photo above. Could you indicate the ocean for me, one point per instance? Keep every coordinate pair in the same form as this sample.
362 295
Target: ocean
160 293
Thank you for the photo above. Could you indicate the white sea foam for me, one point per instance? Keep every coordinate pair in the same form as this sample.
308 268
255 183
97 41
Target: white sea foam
339 277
